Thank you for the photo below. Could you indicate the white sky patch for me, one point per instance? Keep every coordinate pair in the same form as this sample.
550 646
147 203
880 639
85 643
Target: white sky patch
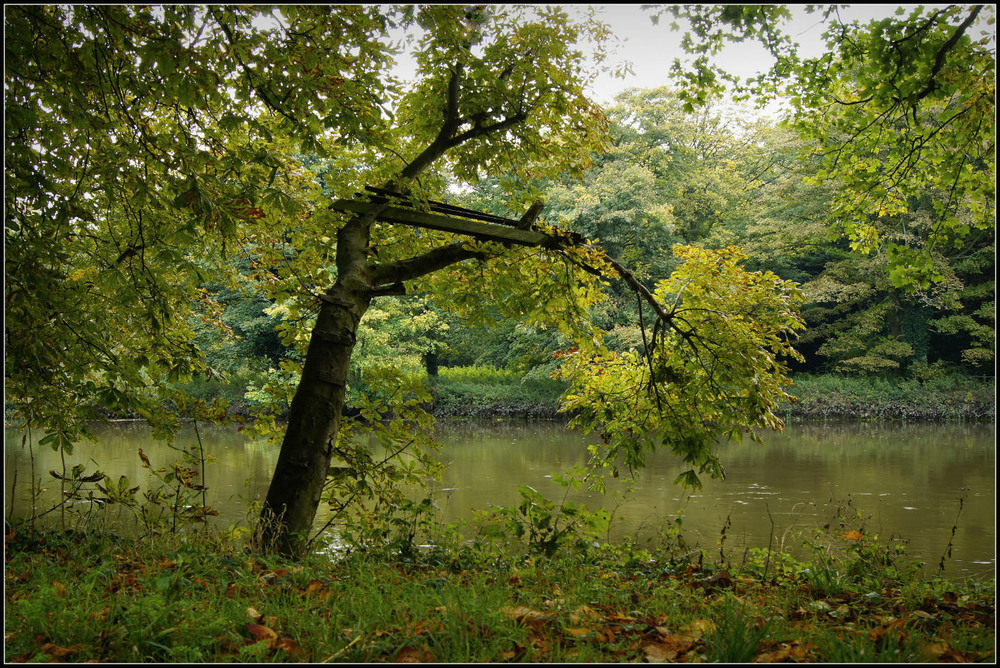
651 49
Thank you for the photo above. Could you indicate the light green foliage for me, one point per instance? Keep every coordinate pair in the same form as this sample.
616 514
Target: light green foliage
707 162
398 331
781 223
535 286
519 70
668 176
619 205
714 369
708 29
900 108
543 525
906 110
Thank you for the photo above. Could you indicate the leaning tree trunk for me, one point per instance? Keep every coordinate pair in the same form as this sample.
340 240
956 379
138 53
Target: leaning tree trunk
314 417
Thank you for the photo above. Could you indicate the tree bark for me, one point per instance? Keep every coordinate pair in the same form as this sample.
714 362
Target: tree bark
314 417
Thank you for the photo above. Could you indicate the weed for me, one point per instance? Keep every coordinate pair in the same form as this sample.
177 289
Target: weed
932 394
737 636
954 528
545 526
879 645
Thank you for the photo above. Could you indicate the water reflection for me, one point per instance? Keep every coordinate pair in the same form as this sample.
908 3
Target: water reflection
908 480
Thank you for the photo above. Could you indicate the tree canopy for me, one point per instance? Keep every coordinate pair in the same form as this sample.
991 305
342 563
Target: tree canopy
170 170
902 110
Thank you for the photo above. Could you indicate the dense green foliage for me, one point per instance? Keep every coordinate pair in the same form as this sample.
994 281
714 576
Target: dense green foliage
170 241
713 180
902 110
130 162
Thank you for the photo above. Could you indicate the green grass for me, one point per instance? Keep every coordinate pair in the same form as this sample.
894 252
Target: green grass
943 397
81 597
486 391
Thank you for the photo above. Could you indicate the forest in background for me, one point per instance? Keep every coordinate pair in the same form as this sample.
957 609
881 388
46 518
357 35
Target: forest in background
715 177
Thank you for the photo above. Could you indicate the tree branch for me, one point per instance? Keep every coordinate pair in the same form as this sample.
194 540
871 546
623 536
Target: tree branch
261 90
948 46
451 123
421 265
446 138
483 130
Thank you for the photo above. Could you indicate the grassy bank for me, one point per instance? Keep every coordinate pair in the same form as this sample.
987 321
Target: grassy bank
82 597
487 392
937 399
471 392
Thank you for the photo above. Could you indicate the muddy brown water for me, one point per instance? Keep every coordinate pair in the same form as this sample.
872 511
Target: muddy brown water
915 482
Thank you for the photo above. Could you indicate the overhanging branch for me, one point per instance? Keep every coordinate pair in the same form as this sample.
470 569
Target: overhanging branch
421 265
943 52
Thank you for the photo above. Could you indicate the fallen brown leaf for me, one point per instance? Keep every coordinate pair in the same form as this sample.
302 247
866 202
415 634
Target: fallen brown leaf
58 652
584 613
287 644
787 651
514 654
696 629
425 626
954 656
892 630
261 632
420 654
579 632
314 587
659 653
526 615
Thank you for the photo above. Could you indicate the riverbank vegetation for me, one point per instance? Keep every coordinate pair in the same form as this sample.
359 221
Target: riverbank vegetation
74 596
241 213
471 392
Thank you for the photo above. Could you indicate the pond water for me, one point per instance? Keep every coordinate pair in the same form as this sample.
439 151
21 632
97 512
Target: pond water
914 482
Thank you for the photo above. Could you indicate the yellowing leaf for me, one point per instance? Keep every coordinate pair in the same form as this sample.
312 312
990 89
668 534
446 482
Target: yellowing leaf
584 613
58 652
420 654
659 653
524 614
698 628
579 632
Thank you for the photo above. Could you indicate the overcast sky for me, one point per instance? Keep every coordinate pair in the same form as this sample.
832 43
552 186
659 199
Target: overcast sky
652 48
